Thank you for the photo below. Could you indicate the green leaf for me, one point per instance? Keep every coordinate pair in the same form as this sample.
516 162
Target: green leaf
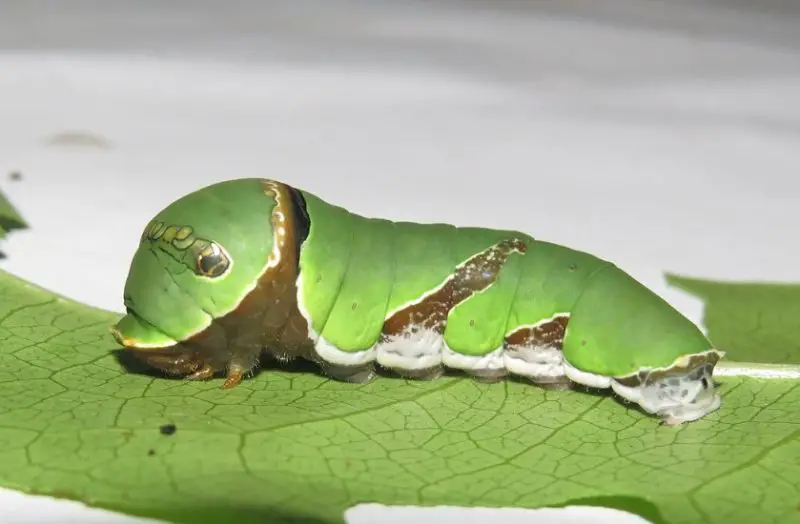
755 322
9 218
78 421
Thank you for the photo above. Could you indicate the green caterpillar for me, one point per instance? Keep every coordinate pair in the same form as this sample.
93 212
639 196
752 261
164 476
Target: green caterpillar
252 265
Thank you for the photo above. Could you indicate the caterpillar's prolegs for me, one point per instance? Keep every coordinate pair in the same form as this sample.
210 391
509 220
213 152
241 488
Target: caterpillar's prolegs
487 376
431 373
359 374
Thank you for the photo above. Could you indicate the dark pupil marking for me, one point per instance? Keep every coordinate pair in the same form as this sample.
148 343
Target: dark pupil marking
212 265
212 262
704 381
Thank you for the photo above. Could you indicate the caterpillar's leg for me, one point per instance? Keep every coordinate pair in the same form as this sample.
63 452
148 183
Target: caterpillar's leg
234 378
359 374
241 363
677 395
561 383
487 376
204 373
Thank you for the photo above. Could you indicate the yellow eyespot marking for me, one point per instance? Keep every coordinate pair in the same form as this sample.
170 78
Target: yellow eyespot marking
169 234
205 258
183 233
184 244
162 228
150 231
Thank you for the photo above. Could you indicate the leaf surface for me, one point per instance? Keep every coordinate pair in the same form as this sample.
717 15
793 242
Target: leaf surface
78 421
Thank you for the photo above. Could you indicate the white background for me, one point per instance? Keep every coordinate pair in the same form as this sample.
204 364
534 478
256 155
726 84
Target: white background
661 135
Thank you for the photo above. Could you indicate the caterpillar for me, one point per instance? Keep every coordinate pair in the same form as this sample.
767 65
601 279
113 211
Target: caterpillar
251 266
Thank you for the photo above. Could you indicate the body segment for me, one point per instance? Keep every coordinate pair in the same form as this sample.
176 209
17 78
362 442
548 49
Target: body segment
348 292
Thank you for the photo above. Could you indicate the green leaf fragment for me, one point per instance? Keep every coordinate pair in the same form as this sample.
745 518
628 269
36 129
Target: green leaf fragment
752 322
10 219
290 446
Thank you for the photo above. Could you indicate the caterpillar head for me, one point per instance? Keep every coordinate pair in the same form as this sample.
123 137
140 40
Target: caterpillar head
196 261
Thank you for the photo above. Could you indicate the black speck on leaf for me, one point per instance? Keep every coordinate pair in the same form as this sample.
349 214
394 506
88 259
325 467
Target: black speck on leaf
151 452
168 429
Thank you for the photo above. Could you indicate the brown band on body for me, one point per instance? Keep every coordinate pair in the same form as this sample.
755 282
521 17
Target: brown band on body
277 289
545 334
473 276
284 329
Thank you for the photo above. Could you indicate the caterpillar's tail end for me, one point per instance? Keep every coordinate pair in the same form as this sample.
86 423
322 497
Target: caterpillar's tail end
683 392
688 413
